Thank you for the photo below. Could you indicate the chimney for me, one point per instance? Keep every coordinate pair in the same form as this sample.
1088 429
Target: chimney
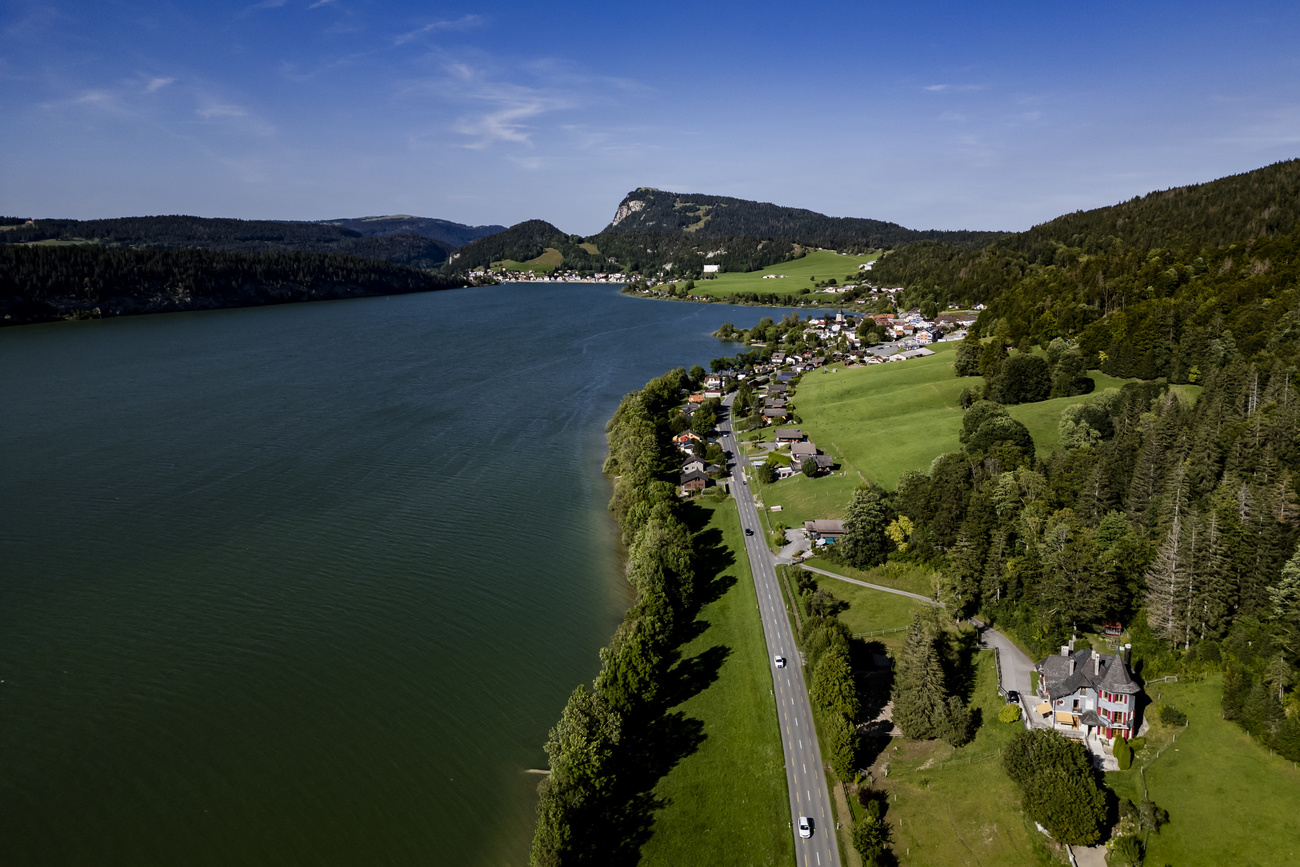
1072 644
1065 650
1072 662
1096 664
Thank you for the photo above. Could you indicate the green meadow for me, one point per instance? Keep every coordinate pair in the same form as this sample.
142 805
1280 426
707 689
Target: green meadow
1230 800
726 803
543 264
787 278
883 420
946 805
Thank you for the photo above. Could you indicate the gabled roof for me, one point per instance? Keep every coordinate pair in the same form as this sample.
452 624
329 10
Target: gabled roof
1060 682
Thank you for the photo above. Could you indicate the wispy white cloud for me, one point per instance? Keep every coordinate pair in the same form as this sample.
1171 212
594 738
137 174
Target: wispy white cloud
956 88
465 22
212 110
157 83
99 97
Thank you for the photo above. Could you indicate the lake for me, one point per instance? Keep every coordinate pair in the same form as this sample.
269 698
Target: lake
309 584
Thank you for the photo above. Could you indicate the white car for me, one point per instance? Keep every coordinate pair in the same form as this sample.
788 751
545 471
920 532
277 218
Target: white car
779 661
805 827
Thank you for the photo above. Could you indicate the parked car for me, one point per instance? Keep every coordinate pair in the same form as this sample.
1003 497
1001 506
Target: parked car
1013 697
805 827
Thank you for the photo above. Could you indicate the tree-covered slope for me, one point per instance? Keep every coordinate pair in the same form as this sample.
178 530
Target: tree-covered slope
449 233
42 283
658 211
1169 284
234 236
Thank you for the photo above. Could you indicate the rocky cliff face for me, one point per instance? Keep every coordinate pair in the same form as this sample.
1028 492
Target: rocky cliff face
627 208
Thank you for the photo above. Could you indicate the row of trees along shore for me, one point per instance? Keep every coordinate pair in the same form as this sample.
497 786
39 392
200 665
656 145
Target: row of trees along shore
589 804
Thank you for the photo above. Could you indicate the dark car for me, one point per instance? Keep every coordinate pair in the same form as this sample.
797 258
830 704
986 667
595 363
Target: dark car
1013 697
748 532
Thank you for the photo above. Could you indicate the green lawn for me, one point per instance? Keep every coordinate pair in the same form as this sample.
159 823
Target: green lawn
726 803
901 576
959 806
804 499
1043 418
821 264
870 610
883 420
946 806
1229 800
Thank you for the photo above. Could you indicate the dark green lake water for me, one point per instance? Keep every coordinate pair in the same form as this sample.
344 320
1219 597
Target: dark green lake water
308 584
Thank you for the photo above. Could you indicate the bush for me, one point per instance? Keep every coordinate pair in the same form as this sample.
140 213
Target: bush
1123 754
958 727
1010 713
1127 852
1136 745
1172 716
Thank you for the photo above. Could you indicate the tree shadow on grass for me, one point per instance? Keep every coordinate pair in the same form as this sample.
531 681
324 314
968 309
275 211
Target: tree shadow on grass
662 738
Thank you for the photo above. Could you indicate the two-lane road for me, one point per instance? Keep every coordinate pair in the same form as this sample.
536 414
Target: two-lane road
803 765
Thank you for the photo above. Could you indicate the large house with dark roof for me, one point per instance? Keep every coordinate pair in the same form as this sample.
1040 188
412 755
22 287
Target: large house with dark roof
1088 693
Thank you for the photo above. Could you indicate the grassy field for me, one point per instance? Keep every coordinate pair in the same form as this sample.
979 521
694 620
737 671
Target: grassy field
870 610
884 420
947 806
543 264
959 806
1229 800
726 803
804 499
900 576
819 264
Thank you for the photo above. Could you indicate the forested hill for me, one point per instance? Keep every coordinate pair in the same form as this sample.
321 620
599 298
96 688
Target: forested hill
233 236
39 283
623 252
449 233
649 210
1169 284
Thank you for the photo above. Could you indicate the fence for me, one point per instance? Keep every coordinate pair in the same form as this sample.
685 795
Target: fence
880 632
964 760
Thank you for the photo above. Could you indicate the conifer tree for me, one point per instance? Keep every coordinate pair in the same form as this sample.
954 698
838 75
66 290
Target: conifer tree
919 695
864 543
1167 577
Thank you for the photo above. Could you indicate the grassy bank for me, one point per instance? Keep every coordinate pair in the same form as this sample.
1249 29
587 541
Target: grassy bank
726 803
1230 801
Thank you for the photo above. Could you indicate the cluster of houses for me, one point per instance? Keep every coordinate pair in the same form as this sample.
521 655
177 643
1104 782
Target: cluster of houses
554 277
802 449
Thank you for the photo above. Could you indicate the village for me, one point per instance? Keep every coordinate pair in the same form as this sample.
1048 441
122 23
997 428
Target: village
1082 693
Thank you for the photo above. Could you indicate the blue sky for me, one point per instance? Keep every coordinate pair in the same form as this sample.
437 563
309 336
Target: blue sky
980 115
